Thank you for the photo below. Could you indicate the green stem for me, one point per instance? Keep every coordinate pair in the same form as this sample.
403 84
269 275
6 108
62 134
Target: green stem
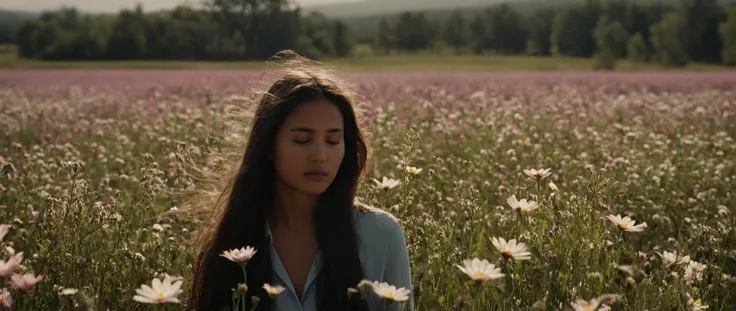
236 303
245 282
254 307
245 276
477 293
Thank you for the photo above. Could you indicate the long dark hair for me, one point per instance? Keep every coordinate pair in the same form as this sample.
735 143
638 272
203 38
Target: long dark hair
247 196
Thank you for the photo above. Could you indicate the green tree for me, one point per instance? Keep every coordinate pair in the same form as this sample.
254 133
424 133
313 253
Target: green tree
342 43
414 31
702 18
267 26
323 43
385 39
481 36
728 33
610 37
610 34
572 35
541 24
456 31
637 50
500 28
128 39
669 42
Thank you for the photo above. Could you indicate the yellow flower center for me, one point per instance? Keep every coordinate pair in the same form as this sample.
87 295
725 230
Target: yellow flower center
523 208
507 253
160 297
388 295
479 276
623 226
696 302
588 309
2 301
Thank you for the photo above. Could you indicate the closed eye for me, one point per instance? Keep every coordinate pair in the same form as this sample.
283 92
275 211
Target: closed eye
301 142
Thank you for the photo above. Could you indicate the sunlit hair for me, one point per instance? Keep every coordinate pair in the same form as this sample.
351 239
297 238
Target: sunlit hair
231 203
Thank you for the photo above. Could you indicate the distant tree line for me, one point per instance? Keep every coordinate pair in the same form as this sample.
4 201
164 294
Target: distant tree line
695 30
224 30
671 35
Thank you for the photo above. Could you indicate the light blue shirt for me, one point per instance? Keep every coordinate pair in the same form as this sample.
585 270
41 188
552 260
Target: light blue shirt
383 255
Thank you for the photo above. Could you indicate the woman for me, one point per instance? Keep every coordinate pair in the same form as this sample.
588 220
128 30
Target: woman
293 200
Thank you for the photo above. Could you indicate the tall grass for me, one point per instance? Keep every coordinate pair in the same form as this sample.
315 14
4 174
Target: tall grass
87 181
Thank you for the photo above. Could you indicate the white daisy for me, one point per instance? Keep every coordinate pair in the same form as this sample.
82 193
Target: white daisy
695 305
596 304
159 292
26 281
537 174
480 270
273 291
584 305
390 292
511 249
523 205
672 260
68 291
5 299
387 183
413 170
626 224
241 255
694 272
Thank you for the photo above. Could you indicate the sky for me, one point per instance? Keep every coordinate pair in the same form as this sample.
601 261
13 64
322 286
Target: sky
112 5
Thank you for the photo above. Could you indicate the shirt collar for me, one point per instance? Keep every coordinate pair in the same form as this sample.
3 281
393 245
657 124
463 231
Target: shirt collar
268 232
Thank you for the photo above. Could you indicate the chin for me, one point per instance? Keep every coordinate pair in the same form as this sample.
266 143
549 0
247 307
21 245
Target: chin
313 189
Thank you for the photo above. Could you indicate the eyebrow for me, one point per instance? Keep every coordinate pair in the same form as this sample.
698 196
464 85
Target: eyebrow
308 130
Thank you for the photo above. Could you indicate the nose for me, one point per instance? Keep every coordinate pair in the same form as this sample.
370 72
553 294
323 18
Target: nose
319 153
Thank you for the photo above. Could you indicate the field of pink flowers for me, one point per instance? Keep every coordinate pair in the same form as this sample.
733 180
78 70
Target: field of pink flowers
516 191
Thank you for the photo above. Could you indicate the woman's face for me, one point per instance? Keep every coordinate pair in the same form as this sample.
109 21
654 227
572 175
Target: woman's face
309 147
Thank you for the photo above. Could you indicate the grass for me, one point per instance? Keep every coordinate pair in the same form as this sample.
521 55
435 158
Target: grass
84 175
407 62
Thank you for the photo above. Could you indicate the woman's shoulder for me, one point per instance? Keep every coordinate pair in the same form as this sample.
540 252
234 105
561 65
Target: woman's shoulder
376 223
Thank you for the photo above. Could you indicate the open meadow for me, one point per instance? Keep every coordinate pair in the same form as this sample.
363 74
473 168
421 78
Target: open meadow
94 163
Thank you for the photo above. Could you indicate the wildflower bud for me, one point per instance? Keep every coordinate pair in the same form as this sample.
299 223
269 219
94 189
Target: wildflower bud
242 289
630 280
365 287
255 300
351 292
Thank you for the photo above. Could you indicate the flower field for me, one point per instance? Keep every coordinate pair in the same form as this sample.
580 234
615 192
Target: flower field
516 191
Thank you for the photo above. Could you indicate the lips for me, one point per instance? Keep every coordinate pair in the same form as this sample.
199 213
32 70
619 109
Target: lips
316 173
